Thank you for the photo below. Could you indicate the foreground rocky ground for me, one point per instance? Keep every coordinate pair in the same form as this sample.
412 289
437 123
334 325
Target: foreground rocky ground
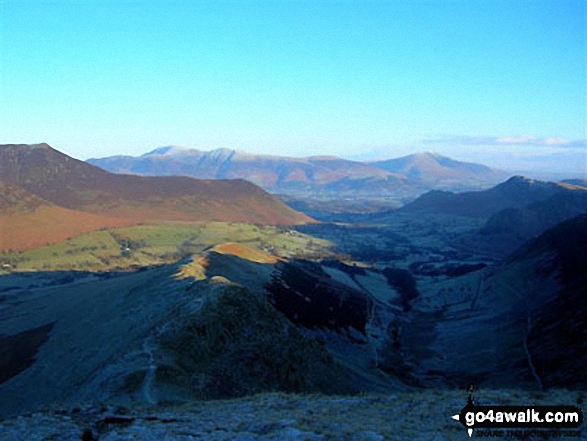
421 415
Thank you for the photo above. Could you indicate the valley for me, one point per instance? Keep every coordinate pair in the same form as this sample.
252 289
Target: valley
229 294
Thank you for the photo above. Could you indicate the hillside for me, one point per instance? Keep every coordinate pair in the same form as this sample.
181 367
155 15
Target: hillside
15 200
203 328
27 221
76 185
513 193
234 321
534 305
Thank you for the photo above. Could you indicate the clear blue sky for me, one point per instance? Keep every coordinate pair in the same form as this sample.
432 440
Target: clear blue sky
354 78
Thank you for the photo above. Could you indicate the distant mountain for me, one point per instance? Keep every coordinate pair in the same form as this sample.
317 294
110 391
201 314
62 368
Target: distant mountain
273 173
407 176
435 171
514 193
52 177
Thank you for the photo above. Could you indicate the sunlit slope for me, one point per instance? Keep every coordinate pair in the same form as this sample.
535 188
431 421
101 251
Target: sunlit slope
433 170
27 221
163 242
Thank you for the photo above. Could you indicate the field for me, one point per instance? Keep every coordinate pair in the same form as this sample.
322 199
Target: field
145 245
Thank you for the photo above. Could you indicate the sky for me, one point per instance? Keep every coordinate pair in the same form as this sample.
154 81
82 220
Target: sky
502 82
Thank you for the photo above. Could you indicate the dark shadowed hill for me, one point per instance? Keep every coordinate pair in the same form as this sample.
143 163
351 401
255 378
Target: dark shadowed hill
559 330
515 192
508 229
77 185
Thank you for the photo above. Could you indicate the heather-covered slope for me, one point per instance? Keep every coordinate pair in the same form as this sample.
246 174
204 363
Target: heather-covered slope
27 221
77 185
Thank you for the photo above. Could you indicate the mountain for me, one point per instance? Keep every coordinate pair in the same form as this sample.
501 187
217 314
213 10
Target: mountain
235 321
273 173
431 170
516 192
76 185
314 175
559 329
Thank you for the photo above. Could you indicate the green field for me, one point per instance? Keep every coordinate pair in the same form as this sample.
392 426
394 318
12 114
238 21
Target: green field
132 247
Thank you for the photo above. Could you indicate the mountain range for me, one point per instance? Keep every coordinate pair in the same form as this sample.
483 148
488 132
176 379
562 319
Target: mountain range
42 187
316 175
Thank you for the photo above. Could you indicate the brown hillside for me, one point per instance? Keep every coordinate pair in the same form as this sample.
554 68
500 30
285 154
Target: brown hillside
27 221
76 185
14 199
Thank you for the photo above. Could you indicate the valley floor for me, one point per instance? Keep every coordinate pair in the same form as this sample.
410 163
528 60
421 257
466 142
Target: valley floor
420 415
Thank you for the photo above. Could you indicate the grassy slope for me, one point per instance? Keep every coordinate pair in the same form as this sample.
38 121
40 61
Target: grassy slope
156 244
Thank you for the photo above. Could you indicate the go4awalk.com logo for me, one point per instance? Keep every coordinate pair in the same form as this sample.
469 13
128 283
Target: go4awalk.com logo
562 420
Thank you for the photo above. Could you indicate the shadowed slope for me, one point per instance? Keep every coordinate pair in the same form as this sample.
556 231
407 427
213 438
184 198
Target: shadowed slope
522 323
515 192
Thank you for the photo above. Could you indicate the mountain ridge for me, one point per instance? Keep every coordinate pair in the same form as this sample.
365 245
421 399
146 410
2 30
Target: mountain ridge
404 176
